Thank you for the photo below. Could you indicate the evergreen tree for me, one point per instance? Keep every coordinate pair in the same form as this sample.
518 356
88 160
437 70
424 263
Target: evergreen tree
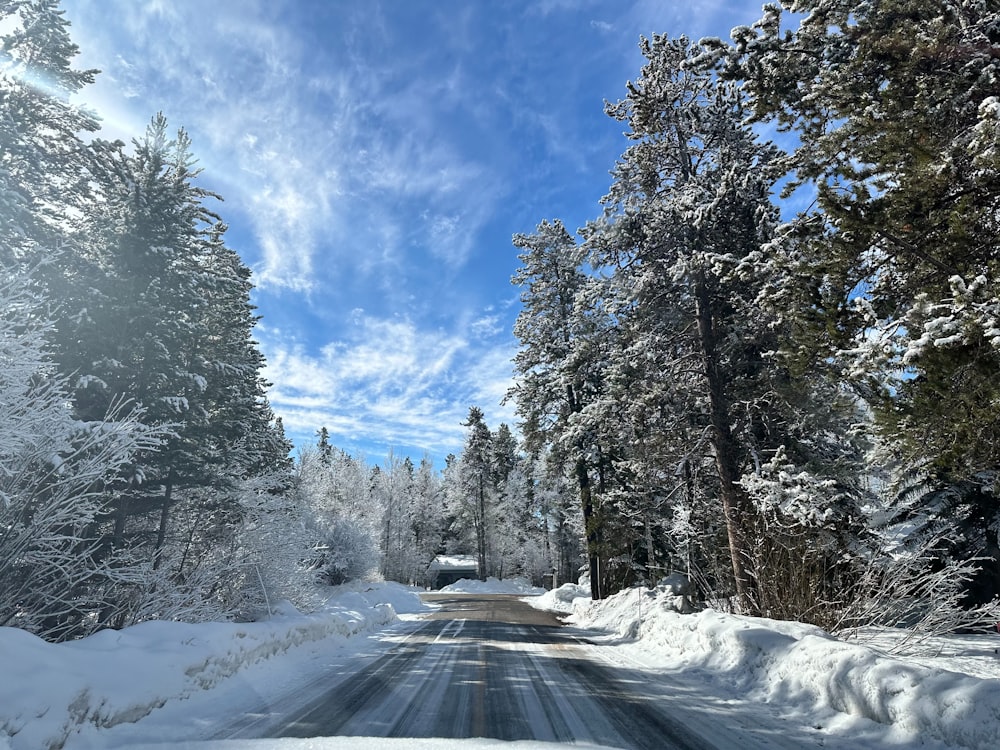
508 515
560 367
394 493
894 109
476 482
43 162
688 207
561 522
158 313
655 367
325 449
428 522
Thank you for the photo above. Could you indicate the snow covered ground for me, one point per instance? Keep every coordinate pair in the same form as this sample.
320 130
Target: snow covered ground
90 693
494 586
159 684
947 696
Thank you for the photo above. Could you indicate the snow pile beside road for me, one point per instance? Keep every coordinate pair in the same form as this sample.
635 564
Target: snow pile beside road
369 743
51 691
562 598
803 669
494 586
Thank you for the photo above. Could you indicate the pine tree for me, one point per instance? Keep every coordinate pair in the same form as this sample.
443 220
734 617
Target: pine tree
508 516
325 449
476 483
680 265
428 523
158 313
689 207
43 162
393 491
560 368
561 522
894 109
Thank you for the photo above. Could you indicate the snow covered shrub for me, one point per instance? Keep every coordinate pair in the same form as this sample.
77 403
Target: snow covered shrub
207 593
274 552
912 590
54 473
339 528
803 548
933 568
347 552
291 544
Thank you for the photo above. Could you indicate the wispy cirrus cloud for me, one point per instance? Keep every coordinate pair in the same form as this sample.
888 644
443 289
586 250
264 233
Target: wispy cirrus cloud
389 384
303 140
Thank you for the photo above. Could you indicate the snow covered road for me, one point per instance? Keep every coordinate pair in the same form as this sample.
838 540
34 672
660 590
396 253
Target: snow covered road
629 672
491 666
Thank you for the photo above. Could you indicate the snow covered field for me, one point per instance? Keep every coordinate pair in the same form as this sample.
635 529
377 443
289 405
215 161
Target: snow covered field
162 684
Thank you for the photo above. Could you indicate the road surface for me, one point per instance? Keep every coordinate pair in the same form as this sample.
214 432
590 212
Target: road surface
491 666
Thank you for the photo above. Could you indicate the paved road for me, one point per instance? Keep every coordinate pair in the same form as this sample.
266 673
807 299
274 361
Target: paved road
491 666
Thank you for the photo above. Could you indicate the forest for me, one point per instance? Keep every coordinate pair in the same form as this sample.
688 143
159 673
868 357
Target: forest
769 362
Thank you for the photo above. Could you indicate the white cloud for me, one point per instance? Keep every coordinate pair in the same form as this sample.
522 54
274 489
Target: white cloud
359 174
695 19
547 7
486 326
302 141
388 383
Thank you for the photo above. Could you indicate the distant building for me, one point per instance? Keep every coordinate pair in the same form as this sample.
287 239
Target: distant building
447 569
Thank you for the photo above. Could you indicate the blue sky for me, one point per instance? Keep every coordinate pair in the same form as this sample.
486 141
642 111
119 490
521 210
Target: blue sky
375 159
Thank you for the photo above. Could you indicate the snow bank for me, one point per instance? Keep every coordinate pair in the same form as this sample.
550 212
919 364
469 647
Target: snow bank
561 599
494 586
369 743
803 667
49 691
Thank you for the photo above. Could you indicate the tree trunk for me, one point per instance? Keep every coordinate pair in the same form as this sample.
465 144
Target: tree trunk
161 531
591 522
591 525
386 538
651 576
481 530
725 448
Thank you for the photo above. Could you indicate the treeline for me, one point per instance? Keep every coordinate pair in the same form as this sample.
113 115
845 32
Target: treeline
792 399
394 518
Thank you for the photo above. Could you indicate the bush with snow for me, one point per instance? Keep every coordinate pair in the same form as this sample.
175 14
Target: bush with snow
54 473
